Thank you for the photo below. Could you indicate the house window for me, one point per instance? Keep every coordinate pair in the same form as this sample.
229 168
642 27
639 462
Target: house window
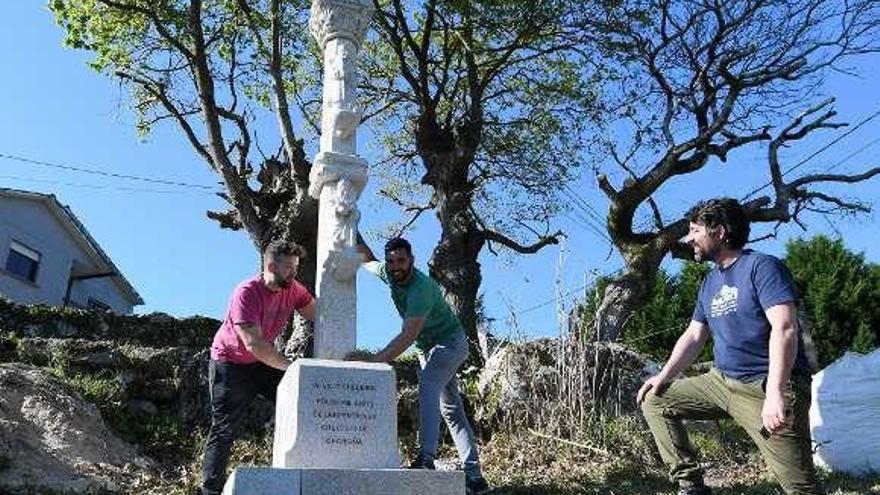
98 305
23 261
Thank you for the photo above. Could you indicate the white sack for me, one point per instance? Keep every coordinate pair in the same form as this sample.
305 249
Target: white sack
845 414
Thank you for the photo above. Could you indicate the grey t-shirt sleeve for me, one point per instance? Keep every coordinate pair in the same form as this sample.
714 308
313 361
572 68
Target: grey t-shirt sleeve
773 283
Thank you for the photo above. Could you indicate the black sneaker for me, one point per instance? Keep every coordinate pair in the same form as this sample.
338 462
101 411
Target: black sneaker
476 486
695 490
422 462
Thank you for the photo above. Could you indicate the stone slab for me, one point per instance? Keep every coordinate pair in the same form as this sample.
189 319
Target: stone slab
264 481
276 481
336 414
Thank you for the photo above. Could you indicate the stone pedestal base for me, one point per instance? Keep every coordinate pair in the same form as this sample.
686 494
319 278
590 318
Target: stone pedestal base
336 415
276 481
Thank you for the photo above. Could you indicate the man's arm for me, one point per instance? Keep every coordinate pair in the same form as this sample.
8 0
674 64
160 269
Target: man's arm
783 351
308 311
365 251
683 354
252 336
411 328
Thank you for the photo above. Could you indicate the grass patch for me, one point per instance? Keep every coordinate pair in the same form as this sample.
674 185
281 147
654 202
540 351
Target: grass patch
162 437
102 391
518 463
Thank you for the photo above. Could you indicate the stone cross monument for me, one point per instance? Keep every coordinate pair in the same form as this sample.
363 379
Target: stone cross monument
335 420
338 175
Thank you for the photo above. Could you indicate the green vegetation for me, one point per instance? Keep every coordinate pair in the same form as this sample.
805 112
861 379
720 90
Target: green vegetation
841 293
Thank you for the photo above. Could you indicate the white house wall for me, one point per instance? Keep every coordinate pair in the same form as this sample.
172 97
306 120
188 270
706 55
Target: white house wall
102 289
33 224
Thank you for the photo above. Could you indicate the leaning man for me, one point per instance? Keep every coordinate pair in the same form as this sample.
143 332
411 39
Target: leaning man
244 361
443 348
761 377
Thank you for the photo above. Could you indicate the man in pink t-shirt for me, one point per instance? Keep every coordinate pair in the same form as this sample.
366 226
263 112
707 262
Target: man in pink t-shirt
244 361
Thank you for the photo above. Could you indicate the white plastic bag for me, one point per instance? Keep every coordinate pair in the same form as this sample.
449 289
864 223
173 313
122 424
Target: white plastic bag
845 414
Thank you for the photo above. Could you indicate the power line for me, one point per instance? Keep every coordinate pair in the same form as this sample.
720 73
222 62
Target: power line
854 153
94 186
817 152
587 207
103 173
553 300
864 121
586 214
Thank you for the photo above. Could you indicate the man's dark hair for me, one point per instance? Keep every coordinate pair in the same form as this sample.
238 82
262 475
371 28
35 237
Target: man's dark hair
277 249
722 212
398 243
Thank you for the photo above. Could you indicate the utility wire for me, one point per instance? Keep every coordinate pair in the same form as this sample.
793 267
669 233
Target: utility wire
817 152
103 173
854 153
586 214
95 186
553 300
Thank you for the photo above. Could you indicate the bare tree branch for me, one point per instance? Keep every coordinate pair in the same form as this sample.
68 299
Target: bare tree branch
492 236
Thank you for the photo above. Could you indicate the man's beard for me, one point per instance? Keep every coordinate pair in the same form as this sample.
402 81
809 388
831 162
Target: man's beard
282 282
702 255
401 275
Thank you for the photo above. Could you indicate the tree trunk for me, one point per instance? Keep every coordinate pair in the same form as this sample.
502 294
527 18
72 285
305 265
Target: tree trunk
454 262
622 298
284 211
301 226
627 293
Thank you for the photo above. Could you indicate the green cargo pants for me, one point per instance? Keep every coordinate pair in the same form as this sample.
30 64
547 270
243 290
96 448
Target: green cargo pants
788 452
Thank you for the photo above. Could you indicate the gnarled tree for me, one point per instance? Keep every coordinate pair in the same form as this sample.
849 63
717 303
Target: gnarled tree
700 80
484 102
212 68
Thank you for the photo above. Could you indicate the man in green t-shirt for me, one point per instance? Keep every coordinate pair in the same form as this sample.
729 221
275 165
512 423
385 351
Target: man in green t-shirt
439 337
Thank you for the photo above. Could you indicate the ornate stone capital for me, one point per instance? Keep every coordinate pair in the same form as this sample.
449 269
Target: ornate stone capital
330 167
347 19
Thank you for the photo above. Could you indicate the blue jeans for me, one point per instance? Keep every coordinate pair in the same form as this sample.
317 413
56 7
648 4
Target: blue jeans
439 396
233 387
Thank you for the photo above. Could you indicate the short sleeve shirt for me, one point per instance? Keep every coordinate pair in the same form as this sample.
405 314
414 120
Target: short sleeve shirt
253 303
421 298
733 301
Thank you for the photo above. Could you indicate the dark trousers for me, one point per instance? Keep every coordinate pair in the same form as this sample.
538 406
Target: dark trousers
232 388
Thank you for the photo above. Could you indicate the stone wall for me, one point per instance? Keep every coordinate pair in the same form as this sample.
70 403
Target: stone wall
154 330
157 364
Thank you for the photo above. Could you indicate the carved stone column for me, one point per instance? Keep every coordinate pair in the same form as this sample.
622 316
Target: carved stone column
338 175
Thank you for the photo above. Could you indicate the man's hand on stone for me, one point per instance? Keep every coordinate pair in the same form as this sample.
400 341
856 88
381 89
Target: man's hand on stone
367 357
773 413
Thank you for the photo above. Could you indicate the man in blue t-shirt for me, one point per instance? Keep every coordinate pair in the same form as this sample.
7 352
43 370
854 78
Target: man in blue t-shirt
761 378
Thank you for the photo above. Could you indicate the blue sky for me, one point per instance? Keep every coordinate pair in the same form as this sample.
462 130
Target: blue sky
53 108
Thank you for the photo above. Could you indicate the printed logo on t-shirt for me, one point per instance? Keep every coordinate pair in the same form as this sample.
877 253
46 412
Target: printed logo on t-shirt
724 302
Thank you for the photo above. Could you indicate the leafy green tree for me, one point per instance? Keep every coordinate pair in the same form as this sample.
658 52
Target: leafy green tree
656 326
841 295
480 103
486 101
213 69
